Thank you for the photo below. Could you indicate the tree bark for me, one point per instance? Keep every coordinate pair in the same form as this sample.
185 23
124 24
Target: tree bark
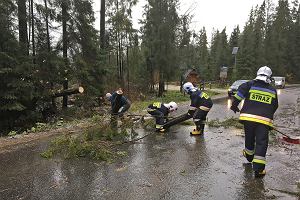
32 34
22 18
48 45
65 47
68 92
47 26
102 25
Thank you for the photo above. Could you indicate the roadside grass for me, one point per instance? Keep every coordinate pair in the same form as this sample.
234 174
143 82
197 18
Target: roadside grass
187 123
98 142
231 122
217 85
170 95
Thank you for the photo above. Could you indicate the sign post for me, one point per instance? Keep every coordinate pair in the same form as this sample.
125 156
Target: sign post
234 52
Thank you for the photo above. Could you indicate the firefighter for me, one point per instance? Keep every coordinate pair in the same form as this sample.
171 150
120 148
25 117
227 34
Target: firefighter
199 108
160 111
260 104
119 103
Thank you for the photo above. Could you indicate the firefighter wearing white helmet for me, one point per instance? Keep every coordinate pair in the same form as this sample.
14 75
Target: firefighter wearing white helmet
264 74
160 112
199 108
257 114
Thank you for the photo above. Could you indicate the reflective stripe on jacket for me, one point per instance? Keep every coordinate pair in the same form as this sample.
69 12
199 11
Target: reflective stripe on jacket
158 106
201 100
260 103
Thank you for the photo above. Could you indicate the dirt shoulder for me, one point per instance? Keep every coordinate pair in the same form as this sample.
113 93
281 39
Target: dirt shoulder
11 143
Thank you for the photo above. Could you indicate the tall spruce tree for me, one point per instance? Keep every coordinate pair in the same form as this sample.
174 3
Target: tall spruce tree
259 30
277 39
121 34
160 38
219 54
203 55
22 19
185 48
16 92
246 53
294 45
88 66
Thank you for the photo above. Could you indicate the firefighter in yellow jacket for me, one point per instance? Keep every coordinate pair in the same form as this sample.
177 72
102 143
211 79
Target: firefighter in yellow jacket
257 114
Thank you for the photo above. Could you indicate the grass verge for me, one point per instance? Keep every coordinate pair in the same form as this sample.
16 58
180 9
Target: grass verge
231 122
176 96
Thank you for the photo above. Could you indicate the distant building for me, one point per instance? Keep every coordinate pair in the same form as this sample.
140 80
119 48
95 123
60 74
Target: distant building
191 75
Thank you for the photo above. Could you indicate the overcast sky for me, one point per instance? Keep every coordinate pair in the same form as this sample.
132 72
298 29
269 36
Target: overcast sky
213 14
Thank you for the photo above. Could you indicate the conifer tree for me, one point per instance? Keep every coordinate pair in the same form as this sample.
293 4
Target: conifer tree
160 37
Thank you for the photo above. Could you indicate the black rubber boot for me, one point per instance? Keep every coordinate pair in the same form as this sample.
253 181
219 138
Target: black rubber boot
259 174
247 156
201 127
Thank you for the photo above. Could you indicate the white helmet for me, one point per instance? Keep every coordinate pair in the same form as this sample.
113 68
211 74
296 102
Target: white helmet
172 106
264 74
188 87
108 95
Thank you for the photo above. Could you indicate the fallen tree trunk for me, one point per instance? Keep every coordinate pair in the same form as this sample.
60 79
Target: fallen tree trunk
177 120
68 92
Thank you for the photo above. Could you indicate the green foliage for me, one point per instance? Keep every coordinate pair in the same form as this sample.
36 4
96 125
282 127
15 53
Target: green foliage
97 142
16 87
176 96
39 127
68 148
12 133
202 61
232 122
187 123
220 54
159 38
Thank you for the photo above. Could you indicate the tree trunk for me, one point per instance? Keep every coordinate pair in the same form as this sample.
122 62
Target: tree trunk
102 25
127 62
49 46
29 25
161 87
22 18
65 96
47 27
68 92
32 30
65 48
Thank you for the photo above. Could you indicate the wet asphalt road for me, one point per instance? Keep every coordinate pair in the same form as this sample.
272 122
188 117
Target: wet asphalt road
172 165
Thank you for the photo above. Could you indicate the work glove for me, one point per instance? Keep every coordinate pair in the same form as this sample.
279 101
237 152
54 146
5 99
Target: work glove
234 109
